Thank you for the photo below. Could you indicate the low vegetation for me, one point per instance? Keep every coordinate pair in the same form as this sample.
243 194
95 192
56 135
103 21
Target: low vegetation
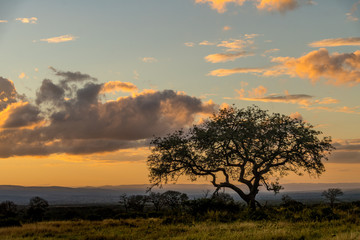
171 215
156 229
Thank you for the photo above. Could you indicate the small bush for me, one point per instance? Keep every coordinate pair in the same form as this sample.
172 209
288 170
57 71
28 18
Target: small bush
10 222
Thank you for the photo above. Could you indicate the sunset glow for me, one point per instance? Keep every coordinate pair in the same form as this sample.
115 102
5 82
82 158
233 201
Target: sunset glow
85 85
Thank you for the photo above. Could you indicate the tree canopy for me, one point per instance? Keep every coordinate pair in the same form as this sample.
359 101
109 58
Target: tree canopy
240 146
332 195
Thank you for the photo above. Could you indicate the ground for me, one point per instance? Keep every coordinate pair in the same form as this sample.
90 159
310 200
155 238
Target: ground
159 229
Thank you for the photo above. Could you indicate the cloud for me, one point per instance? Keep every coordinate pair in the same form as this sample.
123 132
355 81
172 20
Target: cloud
263 5
206 43
335 42
301 99
3 21
20 114
149 60
136 75
71 118
297 115
72 76
31 20
115 86
336 68
236 44
226 28
225 57
8 94
270 51
258 94
220 5
350 15
347 151
60 39
189 44
277 5
343 109
22 75
222 72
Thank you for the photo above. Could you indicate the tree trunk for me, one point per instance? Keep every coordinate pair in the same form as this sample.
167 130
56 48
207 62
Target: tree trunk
248 198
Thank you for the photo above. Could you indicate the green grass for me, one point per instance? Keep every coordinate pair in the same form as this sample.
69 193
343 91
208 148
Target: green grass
155 229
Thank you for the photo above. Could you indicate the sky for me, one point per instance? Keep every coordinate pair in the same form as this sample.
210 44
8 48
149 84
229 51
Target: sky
85 85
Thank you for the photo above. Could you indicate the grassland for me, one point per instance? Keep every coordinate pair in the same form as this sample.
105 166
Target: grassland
157 229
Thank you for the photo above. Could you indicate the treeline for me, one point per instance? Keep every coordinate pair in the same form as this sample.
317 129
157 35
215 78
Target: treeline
176 207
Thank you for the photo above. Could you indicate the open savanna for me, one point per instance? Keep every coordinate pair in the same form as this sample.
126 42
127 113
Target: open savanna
154 228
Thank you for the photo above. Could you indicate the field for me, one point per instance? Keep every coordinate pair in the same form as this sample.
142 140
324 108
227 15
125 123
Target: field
157 229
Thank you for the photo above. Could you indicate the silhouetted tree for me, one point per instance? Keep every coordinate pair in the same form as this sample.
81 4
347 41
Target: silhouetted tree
240 146
157 199
137 202
174 199
124 200
224 198
8 209
37 208
331 194
291 204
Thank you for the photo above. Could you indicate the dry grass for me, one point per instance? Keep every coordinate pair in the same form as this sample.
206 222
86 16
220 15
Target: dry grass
154 229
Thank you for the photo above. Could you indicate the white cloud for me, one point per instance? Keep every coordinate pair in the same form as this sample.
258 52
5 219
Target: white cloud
31 20
60 39
189 44
136 75
350 15
149 60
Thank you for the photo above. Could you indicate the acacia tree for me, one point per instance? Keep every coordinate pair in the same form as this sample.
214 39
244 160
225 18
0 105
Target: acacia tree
240 146
331 194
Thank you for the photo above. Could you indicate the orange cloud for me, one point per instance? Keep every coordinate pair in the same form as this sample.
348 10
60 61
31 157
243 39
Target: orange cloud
206 43
63 38
343 109
236 44
296 115
327 100
337 68
3 21
226 28
20 115
225 57
222 72
220 5
31 20
265 5
22 75
277 5
115 86
257 92
335 42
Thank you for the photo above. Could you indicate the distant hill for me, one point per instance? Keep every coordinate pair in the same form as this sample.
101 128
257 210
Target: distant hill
110 194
